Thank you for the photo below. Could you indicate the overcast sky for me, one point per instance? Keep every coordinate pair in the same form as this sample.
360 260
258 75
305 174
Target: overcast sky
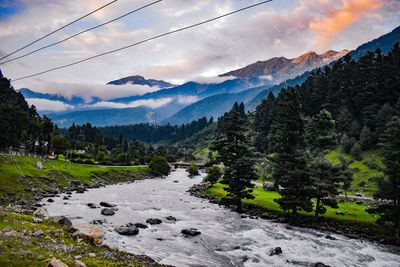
280 28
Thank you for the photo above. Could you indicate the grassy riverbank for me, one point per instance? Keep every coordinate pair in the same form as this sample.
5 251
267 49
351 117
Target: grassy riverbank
19 246
20 179
355 221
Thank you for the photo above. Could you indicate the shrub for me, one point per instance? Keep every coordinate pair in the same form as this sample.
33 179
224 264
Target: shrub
159 166
214 174
193 170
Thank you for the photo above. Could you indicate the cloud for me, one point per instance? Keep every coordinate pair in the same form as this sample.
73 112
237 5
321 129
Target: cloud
213 79
48 105
187 100
88 91
267 77
150 103
338 19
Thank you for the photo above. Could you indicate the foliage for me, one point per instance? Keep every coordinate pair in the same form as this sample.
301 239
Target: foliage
214 174
193 170
234 153
59 144
159 166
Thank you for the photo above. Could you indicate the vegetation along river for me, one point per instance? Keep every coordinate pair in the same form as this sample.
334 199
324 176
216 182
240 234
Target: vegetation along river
226 239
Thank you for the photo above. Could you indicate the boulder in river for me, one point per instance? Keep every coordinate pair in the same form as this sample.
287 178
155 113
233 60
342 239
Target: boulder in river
318 264
190 232
41 212
140 225
171 218
107 205
108 212
153 221
92 233
275 251
269 186
127 230
92 205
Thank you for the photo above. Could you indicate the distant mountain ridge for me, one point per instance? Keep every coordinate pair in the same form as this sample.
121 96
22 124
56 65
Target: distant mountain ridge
280 69
137 79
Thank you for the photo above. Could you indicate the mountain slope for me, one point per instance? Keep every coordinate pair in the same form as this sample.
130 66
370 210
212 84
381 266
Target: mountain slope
281 68
141 81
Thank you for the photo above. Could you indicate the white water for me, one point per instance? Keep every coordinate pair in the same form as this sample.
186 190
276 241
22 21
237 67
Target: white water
225 237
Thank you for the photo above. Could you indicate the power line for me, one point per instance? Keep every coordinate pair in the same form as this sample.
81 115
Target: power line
143 41
41 38
79 33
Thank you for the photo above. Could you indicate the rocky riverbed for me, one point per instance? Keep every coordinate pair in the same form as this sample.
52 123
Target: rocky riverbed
179 229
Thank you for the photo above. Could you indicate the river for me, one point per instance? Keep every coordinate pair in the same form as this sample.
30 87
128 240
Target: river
226 239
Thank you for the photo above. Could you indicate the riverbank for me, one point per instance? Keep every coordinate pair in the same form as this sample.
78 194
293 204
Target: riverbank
27 240
357 229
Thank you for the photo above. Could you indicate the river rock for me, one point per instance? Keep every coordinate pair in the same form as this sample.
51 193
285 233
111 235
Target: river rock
107 212
79 264
140 225
339 213
107 205
360 195
275 251
50 200
330 237
153 221
80 190
92 205
92 233
171 218
56 263
127 230
190 232
41 212
75 182
39 165
318 264
62 220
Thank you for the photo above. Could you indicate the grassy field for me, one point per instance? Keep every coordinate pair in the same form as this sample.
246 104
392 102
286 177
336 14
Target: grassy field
366 171
18 175
352 211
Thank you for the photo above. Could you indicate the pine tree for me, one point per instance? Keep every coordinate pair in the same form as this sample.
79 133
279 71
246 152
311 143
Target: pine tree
262 123
346 175
234 153
389 186
289 160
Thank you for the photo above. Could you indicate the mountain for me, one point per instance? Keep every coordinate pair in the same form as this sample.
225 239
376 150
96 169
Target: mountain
178 97
208 106
280 69
141 81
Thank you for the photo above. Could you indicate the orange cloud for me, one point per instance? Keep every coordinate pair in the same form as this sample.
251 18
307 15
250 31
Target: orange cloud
340 18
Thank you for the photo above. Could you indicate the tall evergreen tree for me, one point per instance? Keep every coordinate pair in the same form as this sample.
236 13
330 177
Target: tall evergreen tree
389 186
289 161
234 153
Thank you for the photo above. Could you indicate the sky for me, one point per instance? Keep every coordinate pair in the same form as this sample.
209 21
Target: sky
286 28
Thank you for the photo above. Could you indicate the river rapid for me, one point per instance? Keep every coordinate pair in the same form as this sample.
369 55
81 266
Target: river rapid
226 239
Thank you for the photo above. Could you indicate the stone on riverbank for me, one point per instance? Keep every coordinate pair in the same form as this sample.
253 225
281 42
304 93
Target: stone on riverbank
275 251
92 233
56 263
107 212
41 212
107 205
127 230
153 221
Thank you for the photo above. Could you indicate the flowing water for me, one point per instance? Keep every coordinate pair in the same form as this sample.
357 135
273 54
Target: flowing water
226 239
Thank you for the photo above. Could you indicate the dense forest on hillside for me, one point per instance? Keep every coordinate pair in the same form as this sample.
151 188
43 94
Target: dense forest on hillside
21 124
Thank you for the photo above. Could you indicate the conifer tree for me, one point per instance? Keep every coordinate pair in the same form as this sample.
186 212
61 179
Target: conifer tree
234 153
389 186
289 160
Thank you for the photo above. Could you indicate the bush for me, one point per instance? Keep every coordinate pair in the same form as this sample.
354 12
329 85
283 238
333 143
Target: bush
159 166
214 174
193 170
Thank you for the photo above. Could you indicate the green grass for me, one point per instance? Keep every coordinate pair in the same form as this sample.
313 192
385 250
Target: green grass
353 211
26 250
362 173
14 184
